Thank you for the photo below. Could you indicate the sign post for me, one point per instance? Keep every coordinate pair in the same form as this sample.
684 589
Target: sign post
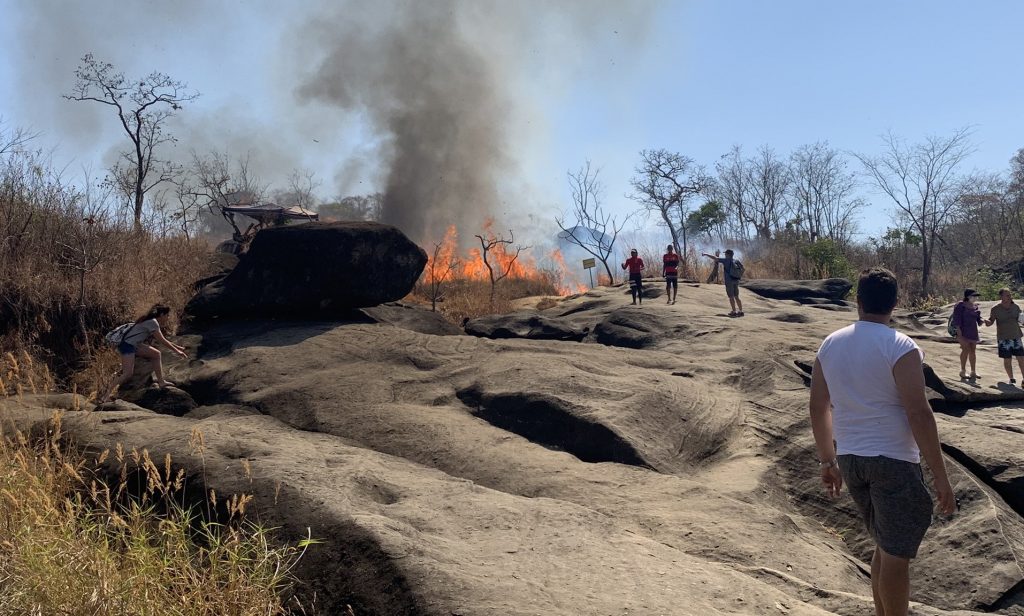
589 265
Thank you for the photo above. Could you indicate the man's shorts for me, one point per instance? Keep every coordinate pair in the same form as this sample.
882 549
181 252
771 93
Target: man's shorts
672 279
732 287
892 499
1011 348
636 281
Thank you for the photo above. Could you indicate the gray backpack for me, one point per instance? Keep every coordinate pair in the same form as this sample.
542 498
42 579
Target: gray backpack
117 335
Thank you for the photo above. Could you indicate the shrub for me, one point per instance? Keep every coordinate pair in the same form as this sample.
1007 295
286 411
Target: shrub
73 544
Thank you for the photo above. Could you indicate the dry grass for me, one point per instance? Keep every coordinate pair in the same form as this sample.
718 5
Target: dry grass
72 267
72 542
20 374
463 299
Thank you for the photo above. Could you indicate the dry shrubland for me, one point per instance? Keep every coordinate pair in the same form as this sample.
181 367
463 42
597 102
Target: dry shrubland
113 534
71 267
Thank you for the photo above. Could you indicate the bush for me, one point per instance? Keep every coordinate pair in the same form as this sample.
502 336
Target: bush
72 266
74 545
988 283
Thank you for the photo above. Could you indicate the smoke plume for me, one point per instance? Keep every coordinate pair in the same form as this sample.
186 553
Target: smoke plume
434 103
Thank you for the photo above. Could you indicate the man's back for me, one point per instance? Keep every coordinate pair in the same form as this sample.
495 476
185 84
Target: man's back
868 418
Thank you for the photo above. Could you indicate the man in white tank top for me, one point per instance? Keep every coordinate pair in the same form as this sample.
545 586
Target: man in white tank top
872 423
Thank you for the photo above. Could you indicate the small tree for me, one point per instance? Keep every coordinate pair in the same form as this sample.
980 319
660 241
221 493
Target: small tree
593 228
497 244
664 184
707 220
143 107
440 268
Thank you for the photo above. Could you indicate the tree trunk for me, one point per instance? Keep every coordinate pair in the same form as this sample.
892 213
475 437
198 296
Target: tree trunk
607 268
139 199
926 266
685 253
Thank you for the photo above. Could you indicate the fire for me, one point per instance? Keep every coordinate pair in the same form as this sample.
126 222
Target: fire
444 263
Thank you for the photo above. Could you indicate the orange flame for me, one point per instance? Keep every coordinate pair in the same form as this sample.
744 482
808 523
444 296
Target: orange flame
445 264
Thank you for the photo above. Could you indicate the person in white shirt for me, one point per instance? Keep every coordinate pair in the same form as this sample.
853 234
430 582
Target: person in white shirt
872 423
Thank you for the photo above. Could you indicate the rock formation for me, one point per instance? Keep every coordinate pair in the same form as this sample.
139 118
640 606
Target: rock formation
661 464
803 291
314 270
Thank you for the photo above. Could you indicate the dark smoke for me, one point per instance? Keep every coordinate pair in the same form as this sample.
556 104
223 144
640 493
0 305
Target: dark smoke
437 100
433 102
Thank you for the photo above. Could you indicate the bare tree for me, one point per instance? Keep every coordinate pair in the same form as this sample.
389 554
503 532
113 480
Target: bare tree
355 207
731 189
593 228
663 184
497 244
301 190
216 182
922 182
143 107
822 194
440 268
768 179
12 139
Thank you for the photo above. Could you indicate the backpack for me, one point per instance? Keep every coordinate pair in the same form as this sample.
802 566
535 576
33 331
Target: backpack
116 336
950 328
737 269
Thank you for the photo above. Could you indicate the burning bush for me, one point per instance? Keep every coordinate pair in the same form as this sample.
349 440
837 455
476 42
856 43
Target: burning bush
485 279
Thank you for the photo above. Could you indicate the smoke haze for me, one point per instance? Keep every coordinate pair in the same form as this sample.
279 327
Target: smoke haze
431 103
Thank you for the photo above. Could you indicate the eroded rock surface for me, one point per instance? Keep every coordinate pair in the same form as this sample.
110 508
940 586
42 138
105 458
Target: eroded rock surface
666 468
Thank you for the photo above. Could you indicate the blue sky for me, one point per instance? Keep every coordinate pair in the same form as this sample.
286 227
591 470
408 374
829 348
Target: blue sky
695 77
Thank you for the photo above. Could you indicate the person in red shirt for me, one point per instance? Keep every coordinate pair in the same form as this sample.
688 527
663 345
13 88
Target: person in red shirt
669 269
635 265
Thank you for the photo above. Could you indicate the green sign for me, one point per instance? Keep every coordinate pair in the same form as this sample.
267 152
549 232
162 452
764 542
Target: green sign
589 263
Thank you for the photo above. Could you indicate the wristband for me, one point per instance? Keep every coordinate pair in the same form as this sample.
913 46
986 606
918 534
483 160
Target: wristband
829 464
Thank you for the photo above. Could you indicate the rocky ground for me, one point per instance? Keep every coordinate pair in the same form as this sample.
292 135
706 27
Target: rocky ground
591 458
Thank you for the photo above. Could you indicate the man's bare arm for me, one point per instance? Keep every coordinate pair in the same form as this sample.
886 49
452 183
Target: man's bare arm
821 415
821 425
909 375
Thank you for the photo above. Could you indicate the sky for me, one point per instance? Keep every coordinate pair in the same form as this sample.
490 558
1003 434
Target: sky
573 81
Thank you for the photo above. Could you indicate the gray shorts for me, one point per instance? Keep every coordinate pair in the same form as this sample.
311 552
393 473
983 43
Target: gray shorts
892 499
732 287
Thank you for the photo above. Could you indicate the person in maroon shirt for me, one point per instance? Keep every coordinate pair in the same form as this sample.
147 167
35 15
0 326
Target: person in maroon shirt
635 265
669 269
966 319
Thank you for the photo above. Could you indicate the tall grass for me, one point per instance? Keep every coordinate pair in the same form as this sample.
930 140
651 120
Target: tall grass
82 537
463 298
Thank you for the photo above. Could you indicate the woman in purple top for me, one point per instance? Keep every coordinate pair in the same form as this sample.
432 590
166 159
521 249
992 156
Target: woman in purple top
966 319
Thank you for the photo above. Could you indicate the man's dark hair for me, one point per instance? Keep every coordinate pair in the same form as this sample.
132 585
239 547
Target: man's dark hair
877 290
728 253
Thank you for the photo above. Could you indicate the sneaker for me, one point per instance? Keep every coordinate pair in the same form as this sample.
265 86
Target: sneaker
1012 381
740 313
734 314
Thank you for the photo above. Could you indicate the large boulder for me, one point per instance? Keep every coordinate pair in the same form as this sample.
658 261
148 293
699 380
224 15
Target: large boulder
314 270
803 291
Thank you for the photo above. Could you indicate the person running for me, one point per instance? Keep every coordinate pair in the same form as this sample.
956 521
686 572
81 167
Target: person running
669 269
635 265
1007 317
966 319
732 284
135 342
868 394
